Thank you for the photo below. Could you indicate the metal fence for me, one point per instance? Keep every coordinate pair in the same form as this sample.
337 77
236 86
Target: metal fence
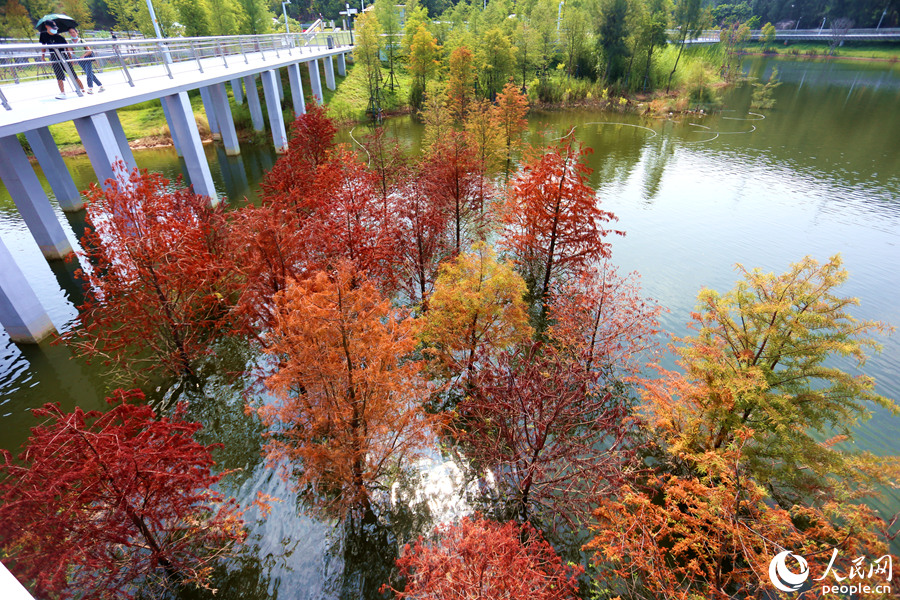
127 59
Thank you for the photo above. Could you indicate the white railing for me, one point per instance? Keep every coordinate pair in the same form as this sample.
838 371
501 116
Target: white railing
23 63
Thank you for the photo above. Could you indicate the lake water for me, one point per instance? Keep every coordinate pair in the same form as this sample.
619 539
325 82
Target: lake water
819 174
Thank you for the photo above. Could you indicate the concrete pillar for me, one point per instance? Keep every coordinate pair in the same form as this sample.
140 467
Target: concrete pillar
47 153
256 115
219 96
342 64
116 125
329 72
194 157
280 85
293 70
273 106
238 91
211 117
21 313
31 200
175 141
314 81
102 147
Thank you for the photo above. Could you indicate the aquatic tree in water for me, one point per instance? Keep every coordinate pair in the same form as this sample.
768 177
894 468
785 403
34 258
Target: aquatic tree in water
460 82
348 392
476 311
761 359
101 505
454 178
553 225
553 435
478 558
509 113
160 286
714 534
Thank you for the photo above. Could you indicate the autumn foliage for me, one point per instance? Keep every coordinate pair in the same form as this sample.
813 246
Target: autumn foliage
160 286
477 558
99 503
553 224
349 393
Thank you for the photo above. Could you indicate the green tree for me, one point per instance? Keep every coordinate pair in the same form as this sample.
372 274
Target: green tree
365 54
78 10
415 15
653 33
16 23
496 60
689 18
226 17
574 36
612 31
390 26
768 35
763 359
259 17
194 16
543 22
423 62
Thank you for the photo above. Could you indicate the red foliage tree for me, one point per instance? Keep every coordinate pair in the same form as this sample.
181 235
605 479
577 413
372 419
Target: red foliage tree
553 222
553 437
482 559
603 319
422 222
161 286
509 113
454 178
294 174
101 502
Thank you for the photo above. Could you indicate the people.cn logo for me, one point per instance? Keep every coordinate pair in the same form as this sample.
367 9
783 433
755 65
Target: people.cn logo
783 578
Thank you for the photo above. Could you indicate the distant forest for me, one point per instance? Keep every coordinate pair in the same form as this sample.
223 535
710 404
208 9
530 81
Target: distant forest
210 17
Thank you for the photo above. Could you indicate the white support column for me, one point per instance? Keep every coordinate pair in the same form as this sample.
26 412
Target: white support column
102 147
296 89
21 313
31 200
219 96
175 141
194 157
342 64
47 153
116 125
211 116
329 73
238 91
256 115
280 85
273 106
314 81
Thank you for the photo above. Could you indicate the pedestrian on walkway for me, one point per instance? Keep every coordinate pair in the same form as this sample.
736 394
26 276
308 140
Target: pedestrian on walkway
58 56
84 55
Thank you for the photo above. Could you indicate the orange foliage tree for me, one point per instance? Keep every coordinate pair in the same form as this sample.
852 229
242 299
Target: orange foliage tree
160 286
477 558
714 535
460 83
509 112
484 135
101 505
553 225
349 394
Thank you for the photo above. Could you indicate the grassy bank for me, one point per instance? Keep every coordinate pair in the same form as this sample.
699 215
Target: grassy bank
856 50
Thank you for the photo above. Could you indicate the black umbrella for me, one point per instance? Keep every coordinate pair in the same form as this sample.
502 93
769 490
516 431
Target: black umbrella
64 22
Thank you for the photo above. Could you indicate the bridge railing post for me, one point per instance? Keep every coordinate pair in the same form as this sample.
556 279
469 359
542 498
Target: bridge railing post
124 68
196 56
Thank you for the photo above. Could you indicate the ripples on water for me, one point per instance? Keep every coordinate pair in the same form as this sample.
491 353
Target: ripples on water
819 175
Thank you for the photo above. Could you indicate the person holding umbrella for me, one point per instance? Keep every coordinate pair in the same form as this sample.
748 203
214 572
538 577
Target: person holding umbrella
50 37
85 57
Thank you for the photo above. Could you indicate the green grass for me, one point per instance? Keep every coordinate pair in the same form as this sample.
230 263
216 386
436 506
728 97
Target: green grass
349 101
882 51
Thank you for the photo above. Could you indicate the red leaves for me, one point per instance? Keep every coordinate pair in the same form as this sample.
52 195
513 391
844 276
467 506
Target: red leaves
477 558
554 438
553 223
161 287
98 501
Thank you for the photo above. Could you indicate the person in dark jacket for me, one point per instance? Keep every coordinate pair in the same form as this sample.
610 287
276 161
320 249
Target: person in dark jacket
50 37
